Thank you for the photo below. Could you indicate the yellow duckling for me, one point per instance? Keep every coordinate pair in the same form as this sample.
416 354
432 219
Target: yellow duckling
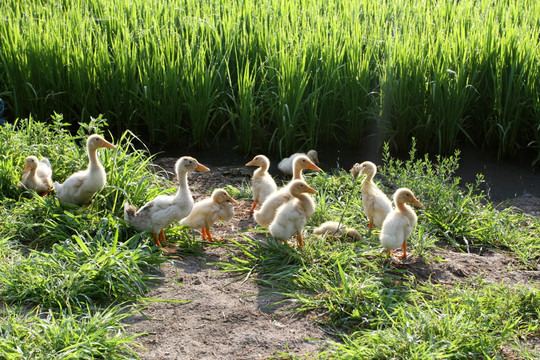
37 175
160 212
286 165
220 206
292 216
81 187
267 212
399 224
376 204
334 228
262 184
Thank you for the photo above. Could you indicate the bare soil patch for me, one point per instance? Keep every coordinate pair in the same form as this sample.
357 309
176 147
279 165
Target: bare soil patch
233 318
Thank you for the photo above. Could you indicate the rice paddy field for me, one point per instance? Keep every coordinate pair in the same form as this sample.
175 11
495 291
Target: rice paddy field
281 75
71 275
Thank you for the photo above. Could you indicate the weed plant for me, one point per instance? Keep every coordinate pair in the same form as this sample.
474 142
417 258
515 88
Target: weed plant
280 76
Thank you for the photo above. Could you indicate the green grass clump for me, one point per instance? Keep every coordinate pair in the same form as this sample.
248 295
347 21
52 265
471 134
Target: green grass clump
94 334
80 271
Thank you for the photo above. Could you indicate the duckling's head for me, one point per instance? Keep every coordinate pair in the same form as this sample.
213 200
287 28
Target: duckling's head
259 160
188 163
367 168
31 163
298 187
302 162
404 195
96 141
313 156
221 196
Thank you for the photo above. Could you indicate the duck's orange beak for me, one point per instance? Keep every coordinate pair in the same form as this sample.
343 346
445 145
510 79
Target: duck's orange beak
108 145
313 167
26 168
201 167
311 190
417 203
251 163
234 202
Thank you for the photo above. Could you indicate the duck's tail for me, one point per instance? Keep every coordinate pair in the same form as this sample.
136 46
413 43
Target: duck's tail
263 218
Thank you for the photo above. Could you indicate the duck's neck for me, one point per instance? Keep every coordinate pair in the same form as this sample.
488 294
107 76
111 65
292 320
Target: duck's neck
94 160
369 178
368 182
405 209
261 170
33 172
183 188
297 174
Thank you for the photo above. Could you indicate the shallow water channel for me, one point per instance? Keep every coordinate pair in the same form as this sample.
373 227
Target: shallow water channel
504 179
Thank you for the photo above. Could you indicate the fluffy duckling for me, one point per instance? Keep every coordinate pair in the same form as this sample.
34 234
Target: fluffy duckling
376 204
399 224
81 187
37 175
291 217
262 184
286 165
220 206
160 212
267 212
334 228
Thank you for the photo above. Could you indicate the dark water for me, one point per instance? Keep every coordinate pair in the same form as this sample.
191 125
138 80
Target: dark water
504 179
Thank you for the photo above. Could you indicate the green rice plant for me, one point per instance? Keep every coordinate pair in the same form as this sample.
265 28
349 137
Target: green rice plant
93 334
246 112
454 71
290 87
200 87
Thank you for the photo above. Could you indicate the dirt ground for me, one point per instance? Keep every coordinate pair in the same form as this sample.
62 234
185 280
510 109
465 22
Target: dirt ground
227 317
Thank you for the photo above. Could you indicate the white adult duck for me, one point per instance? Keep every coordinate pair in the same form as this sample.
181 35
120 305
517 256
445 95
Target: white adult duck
262 183
160 212
267 212
37 175
220 206
399 224
286 165
376 204
292 216
80 188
